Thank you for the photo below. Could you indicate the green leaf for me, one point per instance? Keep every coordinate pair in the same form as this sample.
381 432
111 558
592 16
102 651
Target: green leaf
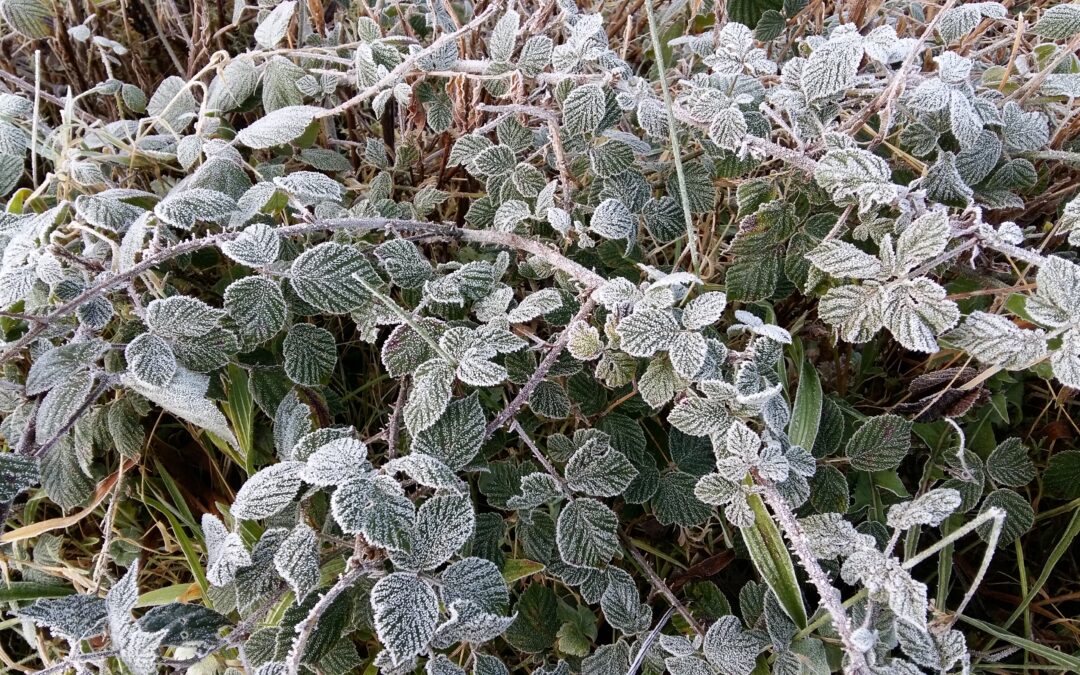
749 12
880 444
675 502
1062 476
806 412
535 628
773 562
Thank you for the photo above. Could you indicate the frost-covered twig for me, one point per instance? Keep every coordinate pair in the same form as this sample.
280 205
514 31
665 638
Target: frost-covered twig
307 626
409 63
486 237
661 587
542 370
829 594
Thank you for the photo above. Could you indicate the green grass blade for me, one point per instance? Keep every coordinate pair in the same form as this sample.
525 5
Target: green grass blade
773 562
806 413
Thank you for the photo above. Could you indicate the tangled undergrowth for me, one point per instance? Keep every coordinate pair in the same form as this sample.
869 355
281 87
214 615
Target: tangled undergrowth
523 336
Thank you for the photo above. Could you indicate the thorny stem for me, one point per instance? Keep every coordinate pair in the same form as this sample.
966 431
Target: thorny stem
661 587
830 596
407 64
307 626
515 426
527 389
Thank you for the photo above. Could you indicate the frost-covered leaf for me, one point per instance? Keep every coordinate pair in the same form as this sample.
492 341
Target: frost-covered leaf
297 560
646 332
268 492
185 208
323 277
31 19
257 306
831 68
535 55
1026 130
182 316
535 304
151 359
272 29
310 354
1010 465
257 246
994 340
586 533
597 470
731 648
17 473
830 535
280 126
310 187
1056 301
510 213
583 109
185 397
536 489
429 396
503 35
457 436
476 580
853 175
704 310
613 220
549 399
468 622
406 610
916 311
1019 515
1059 22
427 471
583 341
443 524
622 604
225 551
843 260
336 462
675 502
959 21
404 262
59 406
925 238
75 617
929 508
857 313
